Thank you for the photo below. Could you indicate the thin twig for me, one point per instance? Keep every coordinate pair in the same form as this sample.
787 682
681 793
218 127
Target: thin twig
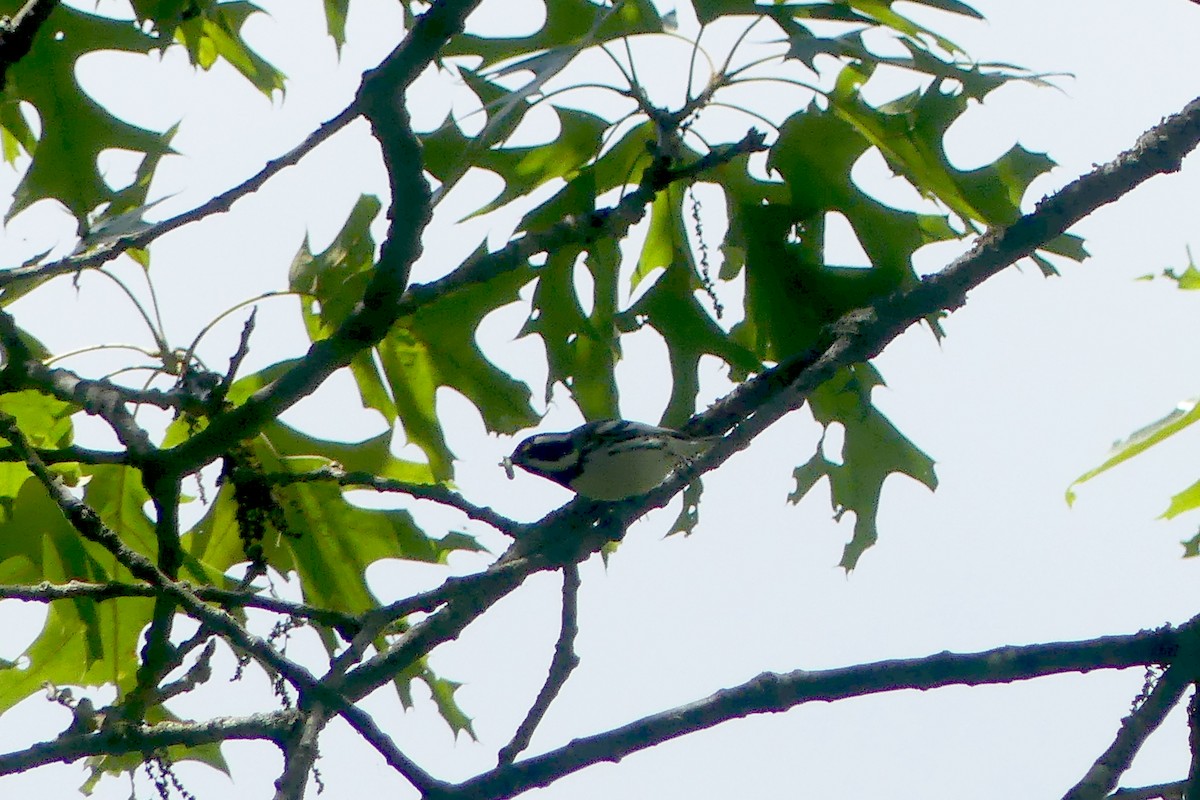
71 454
561 666
219 204
422 491
243 349
1106 772
345 624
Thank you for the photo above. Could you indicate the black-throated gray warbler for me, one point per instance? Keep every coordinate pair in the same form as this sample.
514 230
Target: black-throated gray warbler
609 459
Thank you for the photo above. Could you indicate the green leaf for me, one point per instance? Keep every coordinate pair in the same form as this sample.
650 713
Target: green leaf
442 691
333 281
1141 440
45 421
908 132
372 455
436 347
449 154
569 23
709 10
82 642
75 128
15 133
1186 500
1188 279
335 21
116 493
524 169
689 515
872 450
792 291
216 33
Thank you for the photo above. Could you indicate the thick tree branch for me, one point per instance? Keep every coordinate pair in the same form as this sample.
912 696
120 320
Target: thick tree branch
770 692
1163 791
381 99
1193 779
299 754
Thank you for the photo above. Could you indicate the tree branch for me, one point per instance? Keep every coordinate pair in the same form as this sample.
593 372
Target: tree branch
299 754
422 491
345 624
1193 780
143 738
1165 791
74 264
1104 775
381 99
772 692
71 454
21 371
561 666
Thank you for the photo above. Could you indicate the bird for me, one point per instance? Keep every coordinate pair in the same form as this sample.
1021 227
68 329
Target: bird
609 459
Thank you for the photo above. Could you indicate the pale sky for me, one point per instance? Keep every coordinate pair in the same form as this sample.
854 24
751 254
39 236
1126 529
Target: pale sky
1035 380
